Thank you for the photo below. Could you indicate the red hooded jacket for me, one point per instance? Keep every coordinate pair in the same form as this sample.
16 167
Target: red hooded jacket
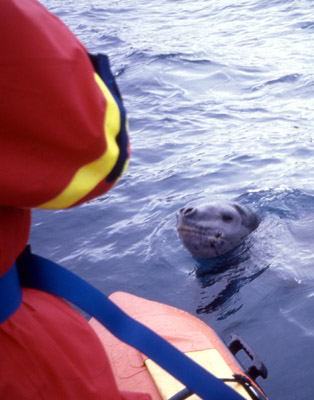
62 142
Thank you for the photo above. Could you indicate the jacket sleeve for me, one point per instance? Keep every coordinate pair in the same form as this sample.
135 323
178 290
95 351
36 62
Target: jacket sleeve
64 131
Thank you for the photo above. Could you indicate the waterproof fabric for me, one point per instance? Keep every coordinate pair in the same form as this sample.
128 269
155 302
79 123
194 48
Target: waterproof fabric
60 124
62 142
49 352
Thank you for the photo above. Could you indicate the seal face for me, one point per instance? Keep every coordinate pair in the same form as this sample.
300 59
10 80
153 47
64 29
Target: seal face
213 229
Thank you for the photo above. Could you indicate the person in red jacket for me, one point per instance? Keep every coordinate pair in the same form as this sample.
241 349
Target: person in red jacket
63 142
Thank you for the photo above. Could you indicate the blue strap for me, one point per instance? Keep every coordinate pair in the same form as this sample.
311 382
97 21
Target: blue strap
39 273
10 293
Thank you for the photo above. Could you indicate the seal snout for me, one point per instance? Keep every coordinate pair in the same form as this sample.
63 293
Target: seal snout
187 218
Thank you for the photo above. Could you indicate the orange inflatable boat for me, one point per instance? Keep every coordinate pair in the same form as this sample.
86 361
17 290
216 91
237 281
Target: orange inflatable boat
134 372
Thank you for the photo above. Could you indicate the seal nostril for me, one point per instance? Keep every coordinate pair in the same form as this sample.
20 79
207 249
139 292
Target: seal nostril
187 211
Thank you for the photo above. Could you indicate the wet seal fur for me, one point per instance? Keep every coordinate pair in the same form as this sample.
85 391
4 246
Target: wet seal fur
211 230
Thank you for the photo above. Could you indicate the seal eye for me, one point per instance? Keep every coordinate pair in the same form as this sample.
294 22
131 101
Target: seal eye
227 218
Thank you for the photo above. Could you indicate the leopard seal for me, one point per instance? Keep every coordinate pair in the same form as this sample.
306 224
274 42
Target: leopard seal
210 230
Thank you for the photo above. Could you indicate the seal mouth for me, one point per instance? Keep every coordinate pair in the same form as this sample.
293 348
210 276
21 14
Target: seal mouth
187 230
202 243
188 227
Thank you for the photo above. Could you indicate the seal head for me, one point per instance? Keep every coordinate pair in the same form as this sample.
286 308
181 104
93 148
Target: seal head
211 230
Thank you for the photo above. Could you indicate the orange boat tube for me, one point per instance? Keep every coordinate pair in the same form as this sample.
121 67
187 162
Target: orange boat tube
135 373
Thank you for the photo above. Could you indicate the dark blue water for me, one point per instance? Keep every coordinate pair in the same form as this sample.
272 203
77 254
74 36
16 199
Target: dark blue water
220 97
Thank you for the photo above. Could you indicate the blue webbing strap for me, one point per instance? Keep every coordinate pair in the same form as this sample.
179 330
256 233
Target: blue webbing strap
39 273
10 293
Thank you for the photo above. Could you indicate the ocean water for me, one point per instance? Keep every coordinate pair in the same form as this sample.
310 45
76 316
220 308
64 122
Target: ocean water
220 98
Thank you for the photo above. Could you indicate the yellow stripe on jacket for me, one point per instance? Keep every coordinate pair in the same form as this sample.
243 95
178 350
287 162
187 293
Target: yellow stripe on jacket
90 175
